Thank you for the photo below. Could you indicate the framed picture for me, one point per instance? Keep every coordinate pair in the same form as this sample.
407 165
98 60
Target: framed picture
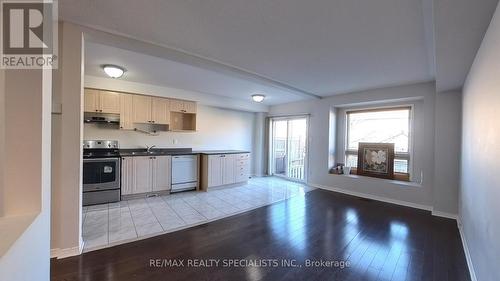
376 160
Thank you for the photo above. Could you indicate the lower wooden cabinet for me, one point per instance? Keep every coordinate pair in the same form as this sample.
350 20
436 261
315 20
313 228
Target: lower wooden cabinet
127 176
223 169
143 174
161 170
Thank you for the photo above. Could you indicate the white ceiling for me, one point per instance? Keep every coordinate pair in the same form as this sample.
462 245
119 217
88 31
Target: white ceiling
323 47
153 70
319 47
460 26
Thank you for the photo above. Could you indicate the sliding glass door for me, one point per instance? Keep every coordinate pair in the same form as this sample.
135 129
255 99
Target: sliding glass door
288 147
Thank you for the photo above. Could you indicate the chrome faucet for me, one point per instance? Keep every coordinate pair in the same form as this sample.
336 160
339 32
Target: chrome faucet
148 148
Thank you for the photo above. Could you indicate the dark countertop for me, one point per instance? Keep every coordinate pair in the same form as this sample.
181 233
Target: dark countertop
173 151
211 152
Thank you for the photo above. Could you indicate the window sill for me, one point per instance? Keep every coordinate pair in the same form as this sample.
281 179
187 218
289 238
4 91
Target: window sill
395 182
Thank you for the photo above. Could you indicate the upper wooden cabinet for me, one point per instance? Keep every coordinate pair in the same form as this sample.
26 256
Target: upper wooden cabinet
91 100
151 110
142 109
126 112
160 111
183 106
179 115
101 101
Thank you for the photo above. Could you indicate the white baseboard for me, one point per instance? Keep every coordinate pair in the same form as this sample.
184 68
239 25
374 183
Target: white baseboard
468 257
444 215
374 197
68 252
80 245
64 253
54 252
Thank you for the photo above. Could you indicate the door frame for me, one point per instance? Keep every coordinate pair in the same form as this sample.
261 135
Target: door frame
270 154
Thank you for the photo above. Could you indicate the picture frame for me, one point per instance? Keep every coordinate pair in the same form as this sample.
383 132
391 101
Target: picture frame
376 160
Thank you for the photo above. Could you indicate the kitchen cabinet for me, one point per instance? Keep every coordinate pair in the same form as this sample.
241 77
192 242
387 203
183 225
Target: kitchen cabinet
183 106
228 169
101 101
242 167
160 111
109 102
91 100
176 115
182 122
142 109
126 112
151 110
214 172
127 176
161 175
144 174
224 169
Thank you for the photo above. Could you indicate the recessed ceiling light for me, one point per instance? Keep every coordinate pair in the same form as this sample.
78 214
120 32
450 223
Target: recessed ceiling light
258 98
113 71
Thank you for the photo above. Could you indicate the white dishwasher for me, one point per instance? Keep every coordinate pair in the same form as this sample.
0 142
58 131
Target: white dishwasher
184 172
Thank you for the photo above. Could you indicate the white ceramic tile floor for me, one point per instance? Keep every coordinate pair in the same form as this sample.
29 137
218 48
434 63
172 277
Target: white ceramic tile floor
116 223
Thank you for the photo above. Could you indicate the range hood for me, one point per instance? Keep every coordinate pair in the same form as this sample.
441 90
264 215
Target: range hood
104 118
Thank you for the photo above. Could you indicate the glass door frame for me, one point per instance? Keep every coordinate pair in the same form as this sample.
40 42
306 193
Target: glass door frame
271 158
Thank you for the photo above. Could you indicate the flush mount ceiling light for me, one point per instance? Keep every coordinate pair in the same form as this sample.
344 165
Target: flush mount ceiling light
258 98
113 71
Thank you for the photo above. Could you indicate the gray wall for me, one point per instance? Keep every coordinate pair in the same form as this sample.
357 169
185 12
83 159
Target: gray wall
480 180
442 132
447 140
322 147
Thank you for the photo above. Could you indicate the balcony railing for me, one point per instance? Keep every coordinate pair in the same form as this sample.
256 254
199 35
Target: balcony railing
294 170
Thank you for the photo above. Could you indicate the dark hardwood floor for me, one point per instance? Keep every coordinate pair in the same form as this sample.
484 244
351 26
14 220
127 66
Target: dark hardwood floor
380 242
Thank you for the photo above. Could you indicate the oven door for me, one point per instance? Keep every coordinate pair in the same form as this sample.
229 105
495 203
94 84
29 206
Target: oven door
101 174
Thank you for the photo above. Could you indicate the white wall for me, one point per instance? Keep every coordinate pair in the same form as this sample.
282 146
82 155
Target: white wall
259 144
67 133
480 180
27 130
321 146
217 128
2 135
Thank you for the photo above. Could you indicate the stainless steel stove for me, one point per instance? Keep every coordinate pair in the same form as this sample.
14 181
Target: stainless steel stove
101 172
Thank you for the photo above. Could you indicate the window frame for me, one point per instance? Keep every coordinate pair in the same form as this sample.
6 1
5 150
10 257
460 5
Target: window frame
397 155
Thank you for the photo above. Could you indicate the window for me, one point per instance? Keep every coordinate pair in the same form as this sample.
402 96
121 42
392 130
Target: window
386 125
